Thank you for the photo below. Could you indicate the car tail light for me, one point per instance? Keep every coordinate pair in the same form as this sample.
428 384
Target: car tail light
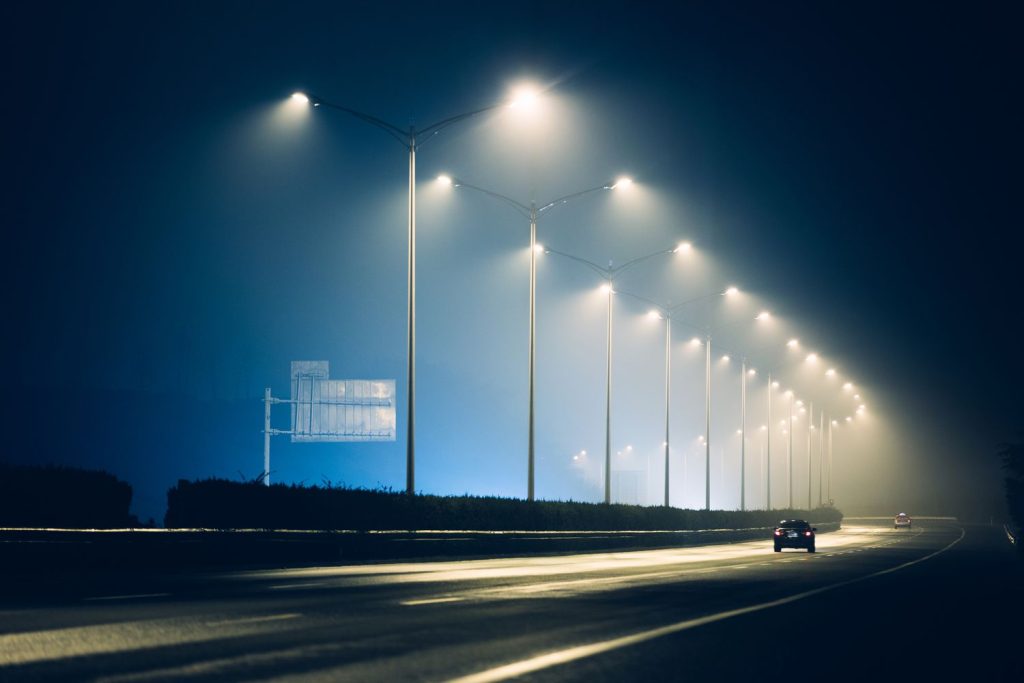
808 533
778 532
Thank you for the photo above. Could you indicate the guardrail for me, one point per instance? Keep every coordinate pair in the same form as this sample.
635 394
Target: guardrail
176 549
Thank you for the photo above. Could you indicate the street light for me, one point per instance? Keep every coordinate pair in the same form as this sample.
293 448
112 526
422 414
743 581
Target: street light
411 139
609 274
532 212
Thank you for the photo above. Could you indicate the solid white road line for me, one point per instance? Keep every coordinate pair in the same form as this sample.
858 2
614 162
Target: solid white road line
138 596
571 654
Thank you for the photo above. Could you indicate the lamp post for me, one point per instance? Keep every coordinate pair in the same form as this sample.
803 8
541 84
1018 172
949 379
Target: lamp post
532 212
789 448
810 428
609 274
411 138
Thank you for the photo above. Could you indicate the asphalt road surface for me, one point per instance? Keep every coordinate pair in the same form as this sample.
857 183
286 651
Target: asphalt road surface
939 602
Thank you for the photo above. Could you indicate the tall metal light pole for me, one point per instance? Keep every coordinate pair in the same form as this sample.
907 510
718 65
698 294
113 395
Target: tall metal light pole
609 274
411 139
790 449
533 212
707 423
821 452
810 428
768 450
668 395
831 425
743 434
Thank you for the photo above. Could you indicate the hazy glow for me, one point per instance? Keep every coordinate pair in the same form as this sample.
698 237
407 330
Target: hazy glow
300 98
775 385
849 419
732 291
444 180
788 394
856 397
812 358
539 248
739 431
525 97
847 387
763 315
835 422
803 410
751 372
606 288
695 342
830 372
725 358
654 315
622 182
793 343
764 428
799 403
683 247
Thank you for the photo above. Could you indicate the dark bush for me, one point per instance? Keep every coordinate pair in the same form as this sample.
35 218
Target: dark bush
222 504
32 496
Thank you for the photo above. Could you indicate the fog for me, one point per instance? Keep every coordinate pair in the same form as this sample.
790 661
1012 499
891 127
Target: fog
201 243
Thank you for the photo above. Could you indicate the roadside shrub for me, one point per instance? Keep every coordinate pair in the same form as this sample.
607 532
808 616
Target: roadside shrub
65 497
223 504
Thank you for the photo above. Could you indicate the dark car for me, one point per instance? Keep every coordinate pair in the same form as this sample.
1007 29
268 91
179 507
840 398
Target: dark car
902 521
794 533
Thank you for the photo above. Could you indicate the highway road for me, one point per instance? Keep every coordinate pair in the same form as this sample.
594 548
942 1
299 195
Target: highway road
936 602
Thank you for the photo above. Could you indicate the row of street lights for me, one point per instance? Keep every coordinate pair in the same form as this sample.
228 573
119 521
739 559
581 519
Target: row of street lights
412 139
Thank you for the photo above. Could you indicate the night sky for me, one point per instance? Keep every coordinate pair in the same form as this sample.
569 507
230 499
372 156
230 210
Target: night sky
176 235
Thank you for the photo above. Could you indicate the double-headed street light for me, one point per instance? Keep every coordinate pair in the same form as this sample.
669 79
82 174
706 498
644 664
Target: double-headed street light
411 138
609 274
533 212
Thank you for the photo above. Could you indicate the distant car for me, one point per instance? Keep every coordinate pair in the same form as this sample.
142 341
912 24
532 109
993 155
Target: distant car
794 533
902 521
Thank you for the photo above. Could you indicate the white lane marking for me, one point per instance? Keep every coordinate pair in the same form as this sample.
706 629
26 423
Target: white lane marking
571 654
252 620
428 601
137 596
293 586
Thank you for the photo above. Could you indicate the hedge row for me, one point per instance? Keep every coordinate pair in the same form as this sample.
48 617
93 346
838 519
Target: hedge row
32 496
222 504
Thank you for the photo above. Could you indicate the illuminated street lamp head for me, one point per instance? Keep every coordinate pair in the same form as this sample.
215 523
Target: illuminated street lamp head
606 289
775 385
695 341
654 315
725 358
856 397
803 410
812 358
731 291
789 393
849 419
751 372
835 423
799 404
848 387
300 98
764 428
621 183
524 97
739 431
683 248
763 315
831 372
444 180
793 343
